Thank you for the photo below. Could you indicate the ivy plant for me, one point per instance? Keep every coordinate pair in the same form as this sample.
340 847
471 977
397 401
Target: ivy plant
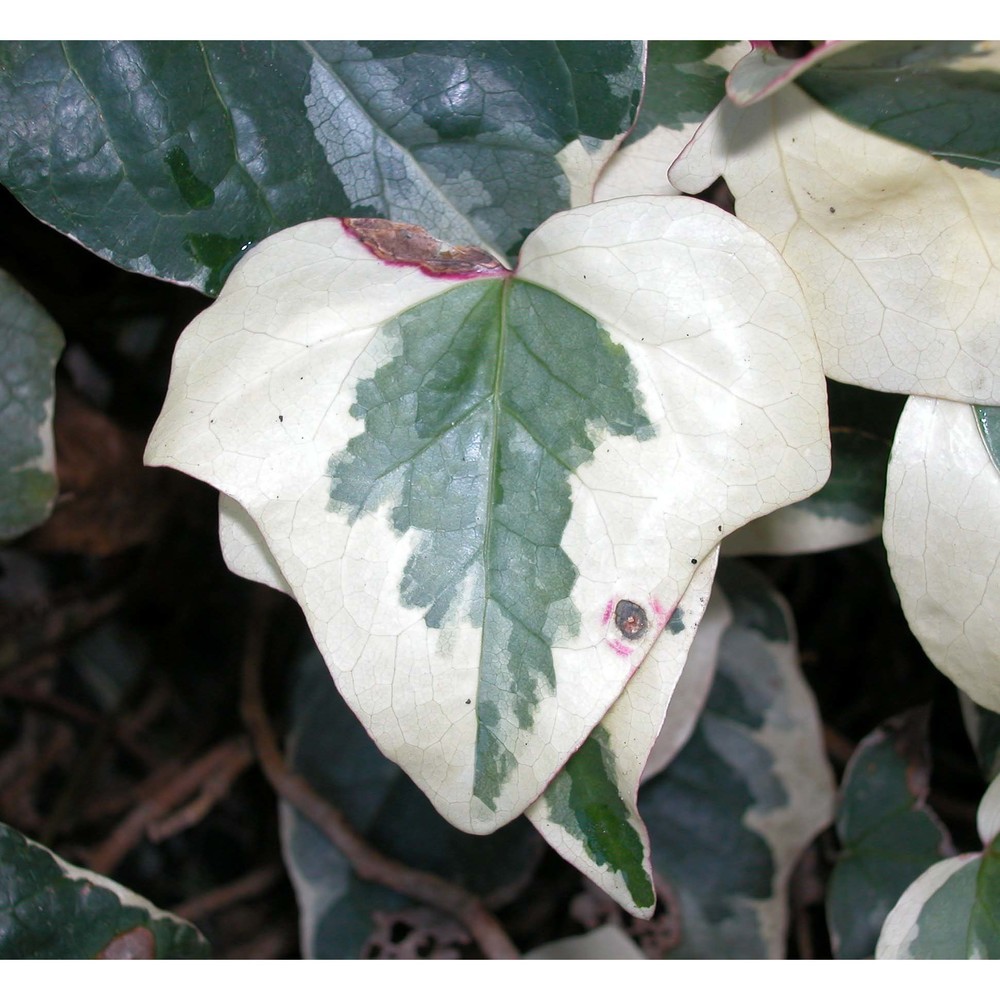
497 392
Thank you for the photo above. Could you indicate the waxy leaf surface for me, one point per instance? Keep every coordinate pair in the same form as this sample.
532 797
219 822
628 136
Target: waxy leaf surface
896 251
942 536
170 158
465 482
684 82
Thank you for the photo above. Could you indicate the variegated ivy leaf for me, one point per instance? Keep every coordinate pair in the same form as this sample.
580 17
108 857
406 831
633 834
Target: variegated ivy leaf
942 535
936 95
30 345
730 816
455 468
895 250
342 915
52 909
846 511
588 813
888 834
953 909
693 686
172 157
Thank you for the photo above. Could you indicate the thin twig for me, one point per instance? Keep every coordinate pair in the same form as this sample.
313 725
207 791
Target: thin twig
250 885
231 757
368 863
230 765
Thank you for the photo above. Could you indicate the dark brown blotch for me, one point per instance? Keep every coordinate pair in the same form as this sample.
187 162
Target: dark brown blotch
631 620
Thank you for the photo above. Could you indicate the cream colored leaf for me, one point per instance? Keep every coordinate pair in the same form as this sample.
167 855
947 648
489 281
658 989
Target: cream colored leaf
896 251
942 535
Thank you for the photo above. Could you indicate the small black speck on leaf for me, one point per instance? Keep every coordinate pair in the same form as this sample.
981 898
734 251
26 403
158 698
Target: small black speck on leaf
833 211
694 562
468 701
281 418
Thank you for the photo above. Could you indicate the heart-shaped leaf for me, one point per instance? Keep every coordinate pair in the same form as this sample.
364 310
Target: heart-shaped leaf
458 478
942 536
896 251
170 158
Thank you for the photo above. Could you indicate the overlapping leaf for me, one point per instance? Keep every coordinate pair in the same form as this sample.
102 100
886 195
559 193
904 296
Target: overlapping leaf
888 834
684 82
895 250
937 95
589 811
848 509
339 912
170 158
942 535
953 909
731 815
464 482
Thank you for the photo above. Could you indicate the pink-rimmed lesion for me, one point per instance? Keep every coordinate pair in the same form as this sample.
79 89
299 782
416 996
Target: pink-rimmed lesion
404 244
632 622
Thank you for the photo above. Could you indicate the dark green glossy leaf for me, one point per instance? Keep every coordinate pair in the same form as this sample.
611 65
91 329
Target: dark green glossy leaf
939 96
888 834
30 345
170 158
338 912
49 909
756 753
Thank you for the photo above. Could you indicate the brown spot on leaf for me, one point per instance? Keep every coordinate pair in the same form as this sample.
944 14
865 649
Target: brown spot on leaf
631 619
136 943
403 243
